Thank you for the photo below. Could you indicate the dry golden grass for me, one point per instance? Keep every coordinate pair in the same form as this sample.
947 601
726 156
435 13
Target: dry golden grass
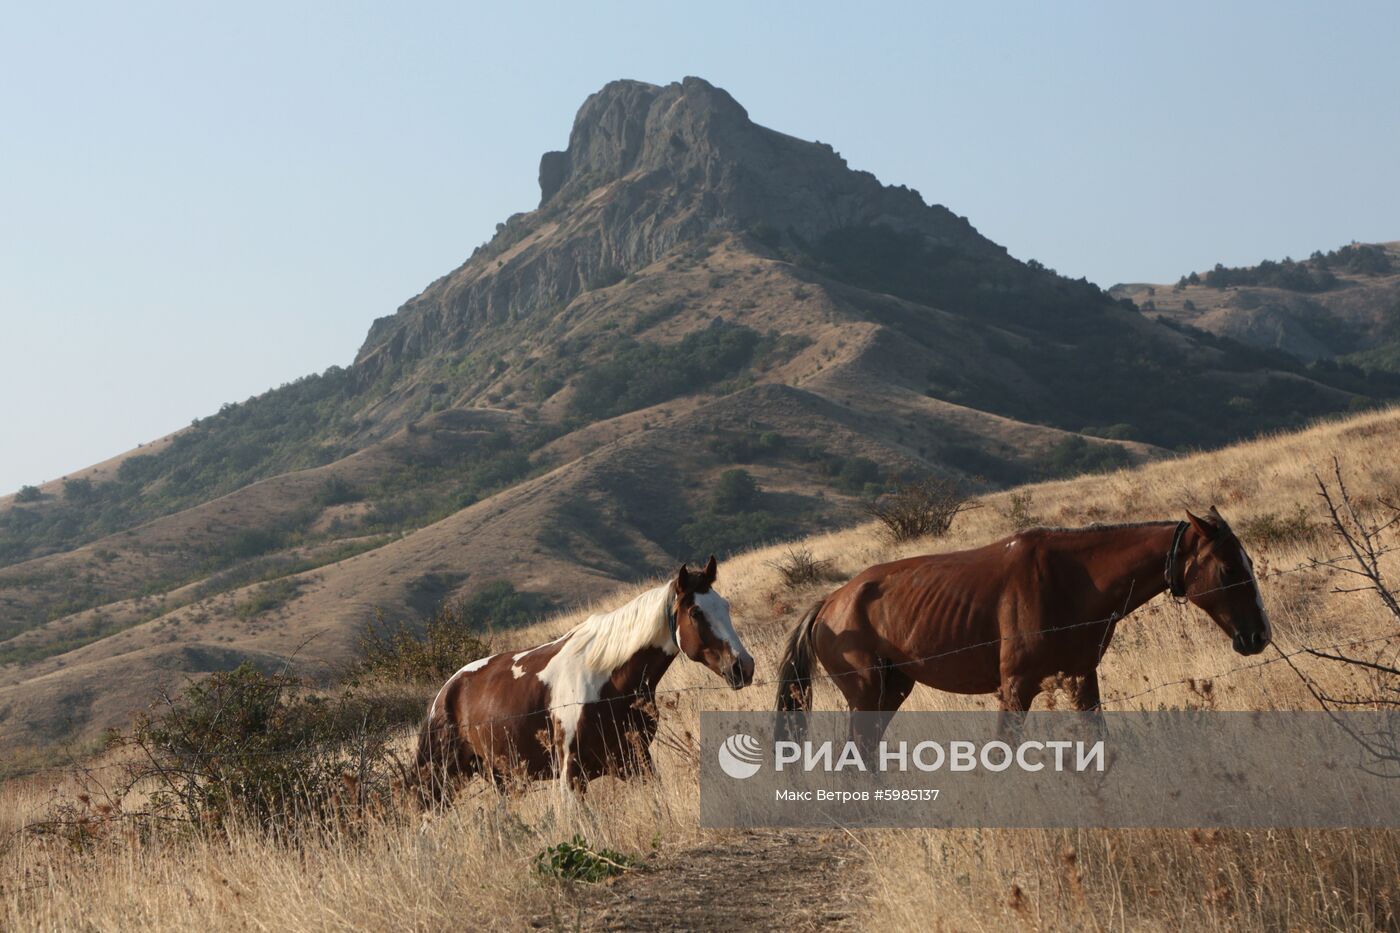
470 866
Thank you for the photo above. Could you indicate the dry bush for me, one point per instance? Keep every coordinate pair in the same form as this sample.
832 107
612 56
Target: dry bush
1363 536
924 508
799 567
255 747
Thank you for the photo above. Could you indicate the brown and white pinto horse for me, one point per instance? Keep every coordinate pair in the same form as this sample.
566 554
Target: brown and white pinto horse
582 705
1006 617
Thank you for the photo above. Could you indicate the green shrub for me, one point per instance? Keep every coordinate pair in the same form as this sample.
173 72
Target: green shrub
1272 529
267 597
452 636
727 534
736 491
857 473
1019 512
28 494
337 491
575 860
1074 455
80 491
642 374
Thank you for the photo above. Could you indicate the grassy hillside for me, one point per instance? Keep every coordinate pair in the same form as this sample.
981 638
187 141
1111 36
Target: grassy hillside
474 861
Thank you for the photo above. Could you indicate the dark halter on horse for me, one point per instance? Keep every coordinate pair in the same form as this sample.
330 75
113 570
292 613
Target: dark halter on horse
673 622
1175 584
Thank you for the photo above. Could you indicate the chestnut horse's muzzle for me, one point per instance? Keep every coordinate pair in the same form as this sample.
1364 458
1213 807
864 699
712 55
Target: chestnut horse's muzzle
1248 643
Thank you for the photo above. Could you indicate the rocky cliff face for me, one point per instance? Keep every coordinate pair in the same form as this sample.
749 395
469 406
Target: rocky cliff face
647 169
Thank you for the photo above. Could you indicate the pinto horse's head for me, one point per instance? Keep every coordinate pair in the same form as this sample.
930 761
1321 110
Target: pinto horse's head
704 630
1218 576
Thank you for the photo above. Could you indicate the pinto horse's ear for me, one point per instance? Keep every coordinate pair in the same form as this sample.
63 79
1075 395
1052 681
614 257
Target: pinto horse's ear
682 579
711 570
1205 527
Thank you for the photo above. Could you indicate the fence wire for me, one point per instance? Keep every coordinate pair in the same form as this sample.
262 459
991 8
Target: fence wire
653 695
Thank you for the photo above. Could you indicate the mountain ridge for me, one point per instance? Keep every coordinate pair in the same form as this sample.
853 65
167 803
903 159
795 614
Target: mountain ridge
1343 305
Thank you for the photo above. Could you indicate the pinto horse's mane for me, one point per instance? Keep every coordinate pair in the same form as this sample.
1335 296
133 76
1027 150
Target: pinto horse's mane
606 641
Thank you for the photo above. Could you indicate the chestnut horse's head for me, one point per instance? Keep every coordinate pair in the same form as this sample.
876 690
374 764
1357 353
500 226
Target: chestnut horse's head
1214 573
704 630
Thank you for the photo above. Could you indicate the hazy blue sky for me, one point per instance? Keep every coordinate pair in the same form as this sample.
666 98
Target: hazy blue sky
198 202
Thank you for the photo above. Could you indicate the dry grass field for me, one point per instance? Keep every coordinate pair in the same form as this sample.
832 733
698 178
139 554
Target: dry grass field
471 866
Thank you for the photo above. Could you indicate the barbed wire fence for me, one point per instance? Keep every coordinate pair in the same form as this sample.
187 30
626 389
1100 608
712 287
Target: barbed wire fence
77 769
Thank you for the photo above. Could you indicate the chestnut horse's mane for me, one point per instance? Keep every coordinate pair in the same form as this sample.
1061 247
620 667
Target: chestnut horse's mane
1102 527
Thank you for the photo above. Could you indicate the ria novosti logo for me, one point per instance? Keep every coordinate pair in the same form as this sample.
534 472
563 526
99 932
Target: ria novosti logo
740 756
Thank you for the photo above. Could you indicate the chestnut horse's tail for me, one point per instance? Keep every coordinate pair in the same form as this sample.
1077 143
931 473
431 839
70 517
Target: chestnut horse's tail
795 669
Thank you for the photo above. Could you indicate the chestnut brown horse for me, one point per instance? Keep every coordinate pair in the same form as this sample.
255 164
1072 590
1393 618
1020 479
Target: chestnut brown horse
1004 618
582 705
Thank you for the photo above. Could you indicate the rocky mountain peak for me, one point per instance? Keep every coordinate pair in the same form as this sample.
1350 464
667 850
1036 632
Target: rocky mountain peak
631 125
647 170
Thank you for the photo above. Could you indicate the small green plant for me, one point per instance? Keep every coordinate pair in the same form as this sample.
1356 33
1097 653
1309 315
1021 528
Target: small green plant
28 494
1019 512
1272 529
575 860
267 597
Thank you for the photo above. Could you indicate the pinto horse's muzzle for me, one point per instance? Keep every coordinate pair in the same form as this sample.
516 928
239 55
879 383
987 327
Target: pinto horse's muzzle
1248 643
740 673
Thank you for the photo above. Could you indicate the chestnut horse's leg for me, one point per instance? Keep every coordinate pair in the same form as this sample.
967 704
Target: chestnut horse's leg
875 690
1017 693
1084 691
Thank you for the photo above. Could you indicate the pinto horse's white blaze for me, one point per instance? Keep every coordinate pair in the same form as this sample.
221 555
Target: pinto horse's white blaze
716 609
598 646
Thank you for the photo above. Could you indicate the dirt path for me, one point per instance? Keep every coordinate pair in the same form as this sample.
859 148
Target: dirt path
766 880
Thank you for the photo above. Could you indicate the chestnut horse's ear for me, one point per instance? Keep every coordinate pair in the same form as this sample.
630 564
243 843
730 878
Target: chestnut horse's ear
682 579
1205 527
711 570
1219 519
